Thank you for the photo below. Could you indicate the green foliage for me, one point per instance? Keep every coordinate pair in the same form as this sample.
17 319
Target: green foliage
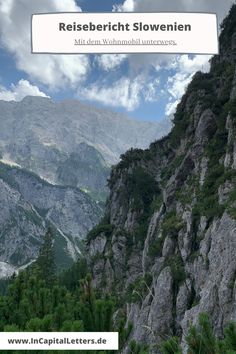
207 196
141 230
232 281
232 212
231 200
103 227
176 265
202 90
232 196
172 224
130 159
229 341
4 284
133 156
156 203
142 189
156 246
201 340
171 346
201 81
45 263
137 348
185 194
179 130
228 28
207 202
231 107
137 290
169 171
71 277
37 300
30 305
227 79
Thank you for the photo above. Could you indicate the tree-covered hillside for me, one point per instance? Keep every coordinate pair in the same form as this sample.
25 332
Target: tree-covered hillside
39 300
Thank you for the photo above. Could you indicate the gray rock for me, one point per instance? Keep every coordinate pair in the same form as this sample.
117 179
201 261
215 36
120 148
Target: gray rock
41 134
29 205
206 126
97 245
203 169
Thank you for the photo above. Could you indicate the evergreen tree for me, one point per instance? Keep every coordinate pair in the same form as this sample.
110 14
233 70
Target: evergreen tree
171 346
201 339
45 263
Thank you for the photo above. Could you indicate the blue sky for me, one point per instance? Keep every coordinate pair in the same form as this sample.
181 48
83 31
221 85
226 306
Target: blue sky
95 5
144 86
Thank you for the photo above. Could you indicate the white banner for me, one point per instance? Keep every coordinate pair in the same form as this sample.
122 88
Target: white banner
59 340
119 32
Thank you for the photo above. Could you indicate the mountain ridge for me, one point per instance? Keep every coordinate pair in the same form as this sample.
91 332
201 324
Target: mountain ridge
166 246
41 135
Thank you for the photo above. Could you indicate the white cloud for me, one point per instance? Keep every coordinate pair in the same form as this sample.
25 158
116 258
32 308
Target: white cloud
124 93
171 107
215 6
110 61
61 71
186 64
185 67
56 71
177 84
19 91
151 91
221 8
127 6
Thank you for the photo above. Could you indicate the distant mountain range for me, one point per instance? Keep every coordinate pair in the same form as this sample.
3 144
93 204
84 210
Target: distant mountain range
69 142
55 158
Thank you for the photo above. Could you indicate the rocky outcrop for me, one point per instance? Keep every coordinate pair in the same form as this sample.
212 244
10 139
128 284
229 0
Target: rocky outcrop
172 215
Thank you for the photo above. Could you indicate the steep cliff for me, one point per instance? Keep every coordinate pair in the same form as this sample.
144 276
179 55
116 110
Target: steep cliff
167 244
29 205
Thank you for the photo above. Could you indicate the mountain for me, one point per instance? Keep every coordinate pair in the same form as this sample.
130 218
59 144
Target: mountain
71 146
29 205
167 244
87 169
54 139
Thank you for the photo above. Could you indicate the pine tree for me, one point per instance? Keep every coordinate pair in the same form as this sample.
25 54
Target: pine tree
45 263
171 346
201 339
229 341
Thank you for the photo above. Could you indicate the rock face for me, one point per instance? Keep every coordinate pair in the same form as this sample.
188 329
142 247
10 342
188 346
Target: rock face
28 206
87 169
59 140
169 252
